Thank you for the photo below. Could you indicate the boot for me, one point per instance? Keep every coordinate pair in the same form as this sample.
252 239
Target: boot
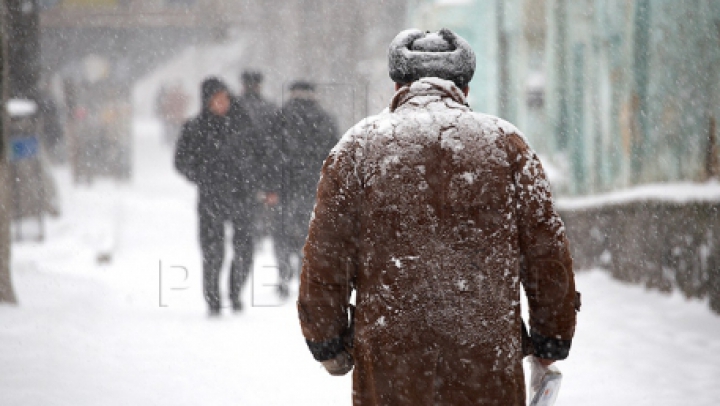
214 311
283 290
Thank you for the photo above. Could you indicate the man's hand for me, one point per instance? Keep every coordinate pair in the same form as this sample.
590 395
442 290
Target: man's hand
272 199
340 365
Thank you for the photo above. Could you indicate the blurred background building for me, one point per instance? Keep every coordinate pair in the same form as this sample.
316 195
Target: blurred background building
340 45
612 93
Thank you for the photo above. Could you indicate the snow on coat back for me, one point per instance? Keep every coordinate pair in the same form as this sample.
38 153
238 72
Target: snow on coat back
426 210
389 146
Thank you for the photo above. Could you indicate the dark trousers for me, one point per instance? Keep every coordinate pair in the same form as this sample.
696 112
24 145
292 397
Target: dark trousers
212 242
285 247
289 237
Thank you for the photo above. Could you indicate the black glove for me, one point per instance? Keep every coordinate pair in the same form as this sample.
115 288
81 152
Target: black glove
340 365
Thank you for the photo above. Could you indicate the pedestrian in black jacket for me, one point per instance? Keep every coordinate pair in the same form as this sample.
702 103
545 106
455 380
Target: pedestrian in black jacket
213 153
309 133
266 137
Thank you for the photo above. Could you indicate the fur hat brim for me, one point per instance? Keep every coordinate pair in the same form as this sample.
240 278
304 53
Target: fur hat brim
454 61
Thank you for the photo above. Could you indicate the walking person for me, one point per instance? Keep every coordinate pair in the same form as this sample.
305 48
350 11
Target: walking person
214 153
266 137
309 133
435 216
171 105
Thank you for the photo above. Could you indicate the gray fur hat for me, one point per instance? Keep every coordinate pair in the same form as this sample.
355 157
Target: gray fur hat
414 54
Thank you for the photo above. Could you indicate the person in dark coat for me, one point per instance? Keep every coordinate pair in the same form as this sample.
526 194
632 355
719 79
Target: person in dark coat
265 134
309 133
435 216
51 127
214 153
171 106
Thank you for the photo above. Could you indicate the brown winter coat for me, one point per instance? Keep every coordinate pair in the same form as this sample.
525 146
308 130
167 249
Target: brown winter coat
435 215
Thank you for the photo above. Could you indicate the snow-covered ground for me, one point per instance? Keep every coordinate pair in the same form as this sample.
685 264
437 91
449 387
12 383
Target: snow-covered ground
134 330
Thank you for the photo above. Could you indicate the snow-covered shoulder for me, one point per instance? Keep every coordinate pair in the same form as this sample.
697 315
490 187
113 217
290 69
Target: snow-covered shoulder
497 124
358 132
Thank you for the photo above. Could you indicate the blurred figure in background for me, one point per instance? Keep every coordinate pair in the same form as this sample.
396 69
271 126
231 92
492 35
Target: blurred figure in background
171 107
263 113
53 135
309 133
214 152
265 135
99 141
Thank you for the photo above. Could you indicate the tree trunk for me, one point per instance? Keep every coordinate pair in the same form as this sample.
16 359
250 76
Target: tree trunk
7 295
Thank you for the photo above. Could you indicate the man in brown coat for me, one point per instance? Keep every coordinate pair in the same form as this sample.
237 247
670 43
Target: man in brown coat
434 215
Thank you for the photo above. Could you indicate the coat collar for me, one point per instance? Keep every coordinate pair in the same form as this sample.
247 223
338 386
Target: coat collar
428 87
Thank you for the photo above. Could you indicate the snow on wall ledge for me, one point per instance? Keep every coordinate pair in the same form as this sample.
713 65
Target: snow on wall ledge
666 237
667 192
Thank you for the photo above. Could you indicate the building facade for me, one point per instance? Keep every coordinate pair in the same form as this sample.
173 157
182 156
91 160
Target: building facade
612 92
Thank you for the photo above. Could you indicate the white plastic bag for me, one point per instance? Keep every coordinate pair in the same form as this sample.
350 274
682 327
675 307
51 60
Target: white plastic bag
544 383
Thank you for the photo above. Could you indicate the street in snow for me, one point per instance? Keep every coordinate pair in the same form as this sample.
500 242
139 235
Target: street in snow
111 312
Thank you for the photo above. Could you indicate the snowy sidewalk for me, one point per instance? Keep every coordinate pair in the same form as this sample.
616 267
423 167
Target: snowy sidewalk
134 331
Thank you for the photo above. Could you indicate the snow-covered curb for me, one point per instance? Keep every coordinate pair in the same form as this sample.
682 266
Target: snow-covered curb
661 192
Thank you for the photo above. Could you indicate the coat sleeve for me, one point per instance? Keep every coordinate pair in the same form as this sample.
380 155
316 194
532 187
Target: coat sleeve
330 257
547 271
186 154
